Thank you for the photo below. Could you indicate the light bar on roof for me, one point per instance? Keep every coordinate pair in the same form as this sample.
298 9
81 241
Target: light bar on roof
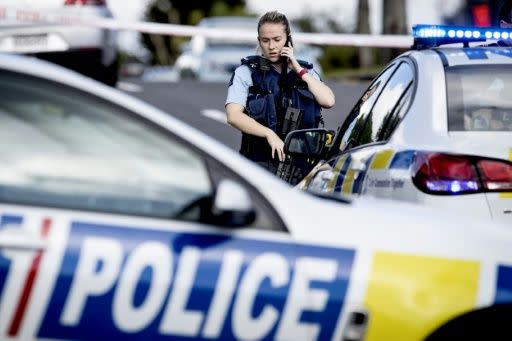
426 36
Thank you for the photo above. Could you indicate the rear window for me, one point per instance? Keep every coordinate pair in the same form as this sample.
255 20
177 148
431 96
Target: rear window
479 98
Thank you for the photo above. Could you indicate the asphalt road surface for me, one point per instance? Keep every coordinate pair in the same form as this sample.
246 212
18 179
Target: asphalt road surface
202 104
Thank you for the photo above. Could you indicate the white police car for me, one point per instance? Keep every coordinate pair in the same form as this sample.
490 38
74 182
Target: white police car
119 222
91 51
435 128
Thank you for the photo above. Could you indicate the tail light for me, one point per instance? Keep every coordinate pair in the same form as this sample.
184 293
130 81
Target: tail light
496 175
447 174
85 2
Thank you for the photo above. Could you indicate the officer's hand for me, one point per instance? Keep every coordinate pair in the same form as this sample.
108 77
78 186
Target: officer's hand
276 144
287 51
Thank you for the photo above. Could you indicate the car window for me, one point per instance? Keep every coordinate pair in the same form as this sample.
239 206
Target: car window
479 98
352 128
64 148
393 118
391 104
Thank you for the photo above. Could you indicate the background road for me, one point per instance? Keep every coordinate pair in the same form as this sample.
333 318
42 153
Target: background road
202 104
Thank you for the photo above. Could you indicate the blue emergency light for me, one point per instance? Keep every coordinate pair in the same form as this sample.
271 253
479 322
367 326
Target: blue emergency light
426 36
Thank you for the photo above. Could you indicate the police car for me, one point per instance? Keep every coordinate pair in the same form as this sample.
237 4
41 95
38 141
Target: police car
91 51
118 221
434 128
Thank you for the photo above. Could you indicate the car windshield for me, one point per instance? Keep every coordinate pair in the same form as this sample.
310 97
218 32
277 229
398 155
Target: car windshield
479 98
68 149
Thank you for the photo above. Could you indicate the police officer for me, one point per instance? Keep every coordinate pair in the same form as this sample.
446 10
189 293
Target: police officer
266 88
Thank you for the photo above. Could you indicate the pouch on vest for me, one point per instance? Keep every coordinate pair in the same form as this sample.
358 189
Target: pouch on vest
308 103
263 110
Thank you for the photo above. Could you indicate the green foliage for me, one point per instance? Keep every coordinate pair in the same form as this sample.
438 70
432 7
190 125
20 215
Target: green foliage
336 57
221 8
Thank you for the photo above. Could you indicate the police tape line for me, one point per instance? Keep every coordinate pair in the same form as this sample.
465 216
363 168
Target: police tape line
336 39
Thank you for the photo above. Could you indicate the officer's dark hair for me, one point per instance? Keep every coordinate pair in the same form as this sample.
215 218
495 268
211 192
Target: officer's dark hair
274 17
504 11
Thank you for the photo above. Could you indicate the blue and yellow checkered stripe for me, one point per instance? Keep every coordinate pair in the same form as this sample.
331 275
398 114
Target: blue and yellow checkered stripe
348 181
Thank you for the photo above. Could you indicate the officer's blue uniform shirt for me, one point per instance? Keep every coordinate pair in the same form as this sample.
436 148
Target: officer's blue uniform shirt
239 86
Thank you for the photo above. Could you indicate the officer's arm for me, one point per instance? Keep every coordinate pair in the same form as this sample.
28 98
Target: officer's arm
243 122
323 94
238 119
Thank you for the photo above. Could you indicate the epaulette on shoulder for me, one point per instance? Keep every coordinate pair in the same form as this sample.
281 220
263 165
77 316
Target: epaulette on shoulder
305 64
251 61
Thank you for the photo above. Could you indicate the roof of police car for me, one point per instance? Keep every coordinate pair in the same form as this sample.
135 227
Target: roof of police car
455 56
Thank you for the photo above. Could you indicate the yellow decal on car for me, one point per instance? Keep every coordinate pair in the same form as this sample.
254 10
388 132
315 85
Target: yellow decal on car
410 296
348 182
381 159
336 173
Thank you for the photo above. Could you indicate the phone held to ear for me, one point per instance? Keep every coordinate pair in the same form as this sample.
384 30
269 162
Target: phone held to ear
288 43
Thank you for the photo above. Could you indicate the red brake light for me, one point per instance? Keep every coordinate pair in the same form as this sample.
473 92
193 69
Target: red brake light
85 2
445 174
496 175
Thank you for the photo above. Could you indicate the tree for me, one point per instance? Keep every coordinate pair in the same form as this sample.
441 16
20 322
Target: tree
363 27
165 49
394 22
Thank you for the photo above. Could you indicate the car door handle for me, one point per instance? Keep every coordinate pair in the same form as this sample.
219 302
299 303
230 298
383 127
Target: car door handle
21 240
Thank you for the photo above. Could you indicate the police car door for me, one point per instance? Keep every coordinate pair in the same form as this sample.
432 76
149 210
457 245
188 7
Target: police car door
363 136
336 173
104 232
380 166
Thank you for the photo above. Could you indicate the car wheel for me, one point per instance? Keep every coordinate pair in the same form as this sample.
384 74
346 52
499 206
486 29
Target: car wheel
485 324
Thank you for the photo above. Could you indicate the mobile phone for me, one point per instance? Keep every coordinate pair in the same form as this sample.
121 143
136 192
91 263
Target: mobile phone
288 42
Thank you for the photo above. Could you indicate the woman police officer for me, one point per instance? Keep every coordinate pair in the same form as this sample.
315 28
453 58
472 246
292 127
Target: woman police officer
264 88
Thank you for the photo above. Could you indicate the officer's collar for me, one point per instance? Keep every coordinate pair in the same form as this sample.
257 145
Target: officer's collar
277 69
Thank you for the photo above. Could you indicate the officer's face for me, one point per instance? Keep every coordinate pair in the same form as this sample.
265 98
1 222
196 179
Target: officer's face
272 38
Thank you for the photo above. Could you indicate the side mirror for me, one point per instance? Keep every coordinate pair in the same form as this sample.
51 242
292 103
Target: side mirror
232 205
308 142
